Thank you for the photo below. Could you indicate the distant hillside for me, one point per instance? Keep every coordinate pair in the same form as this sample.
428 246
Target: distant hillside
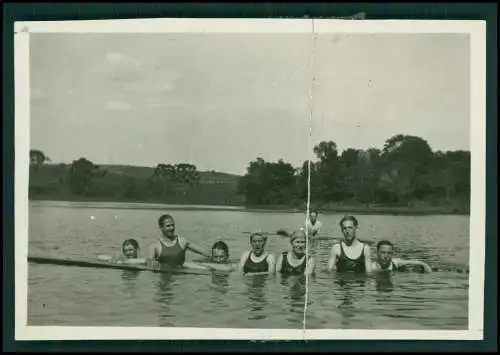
143 172
133 184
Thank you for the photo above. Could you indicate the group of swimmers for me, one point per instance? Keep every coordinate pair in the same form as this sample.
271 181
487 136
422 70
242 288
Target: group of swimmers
348 255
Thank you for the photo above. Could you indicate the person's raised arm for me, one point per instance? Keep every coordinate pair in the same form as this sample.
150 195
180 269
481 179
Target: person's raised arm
243 259
153 253
279 262
368 258
271 261
333 257
311 266
194 248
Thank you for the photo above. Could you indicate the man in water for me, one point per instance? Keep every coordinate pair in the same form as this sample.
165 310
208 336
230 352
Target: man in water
313 225
385 261
350 255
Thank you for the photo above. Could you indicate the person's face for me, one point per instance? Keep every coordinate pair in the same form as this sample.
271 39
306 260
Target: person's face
313 216
384 255
258 243
129 251
299 246
168 227
349 230
219 256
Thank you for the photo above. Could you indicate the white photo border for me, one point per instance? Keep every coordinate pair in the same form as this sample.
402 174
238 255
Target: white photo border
475 29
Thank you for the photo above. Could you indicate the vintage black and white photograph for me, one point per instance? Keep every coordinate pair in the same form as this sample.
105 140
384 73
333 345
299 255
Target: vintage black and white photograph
250 179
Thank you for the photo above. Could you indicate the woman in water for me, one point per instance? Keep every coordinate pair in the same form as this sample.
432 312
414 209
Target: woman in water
257 261
296 262
129 254
171 249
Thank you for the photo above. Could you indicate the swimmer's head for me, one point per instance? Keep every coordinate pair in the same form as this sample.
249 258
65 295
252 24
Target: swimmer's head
258 241
298 242
385 250
130 248
313 216
220 252
167 225
349 225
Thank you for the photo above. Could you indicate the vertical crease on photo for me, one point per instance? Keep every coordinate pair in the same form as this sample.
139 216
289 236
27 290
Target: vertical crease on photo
311 88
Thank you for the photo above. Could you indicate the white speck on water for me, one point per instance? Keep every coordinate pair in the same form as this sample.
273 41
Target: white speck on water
92 217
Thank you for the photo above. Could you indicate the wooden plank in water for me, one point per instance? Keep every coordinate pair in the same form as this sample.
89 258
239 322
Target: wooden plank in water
106 265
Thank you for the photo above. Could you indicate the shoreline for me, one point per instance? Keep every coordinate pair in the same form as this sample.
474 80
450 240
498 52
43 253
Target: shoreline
332 209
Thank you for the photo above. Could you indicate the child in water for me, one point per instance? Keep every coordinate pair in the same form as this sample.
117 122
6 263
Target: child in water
220 253
129 254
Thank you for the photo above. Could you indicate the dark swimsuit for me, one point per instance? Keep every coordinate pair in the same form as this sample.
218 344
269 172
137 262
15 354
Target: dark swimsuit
345 264
251 266
288 269
172 255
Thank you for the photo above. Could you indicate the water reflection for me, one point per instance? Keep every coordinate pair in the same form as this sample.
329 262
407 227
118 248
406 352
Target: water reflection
220 288
164 297
129 278
383 282
255 285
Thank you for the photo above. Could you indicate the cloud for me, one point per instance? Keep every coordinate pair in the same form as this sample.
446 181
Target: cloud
117 106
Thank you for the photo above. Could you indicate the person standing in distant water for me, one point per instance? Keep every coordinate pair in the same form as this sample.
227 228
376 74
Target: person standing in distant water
313 225
257 261
296 262
385 261
171 248
350 255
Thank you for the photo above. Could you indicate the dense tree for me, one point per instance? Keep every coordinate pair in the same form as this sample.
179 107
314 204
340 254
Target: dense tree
82 174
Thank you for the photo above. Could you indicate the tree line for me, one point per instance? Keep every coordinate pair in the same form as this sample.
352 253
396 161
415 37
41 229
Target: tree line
86 180
404 172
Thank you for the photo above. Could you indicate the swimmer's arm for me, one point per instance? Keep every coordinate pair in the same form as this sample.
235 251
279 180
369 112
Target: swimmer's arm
401 262
333 258
138 261
194 248
243 258
271 260
279 262
105 258
311 266
153 252
368 259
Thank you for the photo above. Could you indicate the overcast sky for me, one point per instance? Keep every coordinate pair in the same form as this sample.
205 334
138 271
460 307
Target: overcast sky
221 100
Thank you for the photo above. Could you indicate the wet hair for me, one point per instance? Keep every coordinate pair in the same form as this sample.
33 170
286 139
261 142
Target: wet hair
348 218
132 242
258 234
384 242
163 218
222 246
314 211
297 234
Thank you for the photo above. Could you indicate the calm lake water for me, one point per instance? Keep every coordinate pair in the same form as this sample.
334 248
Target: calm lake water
73 296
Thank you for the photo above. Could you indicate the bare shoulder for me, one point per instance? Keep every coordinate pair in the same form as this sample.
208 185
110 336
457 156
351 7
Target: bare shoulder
245 254
335 248
183 242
